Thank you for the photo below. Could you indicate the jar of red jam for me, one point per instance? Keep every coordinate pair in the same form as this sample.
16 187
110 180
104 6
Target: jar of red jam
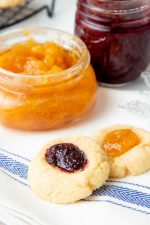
117 34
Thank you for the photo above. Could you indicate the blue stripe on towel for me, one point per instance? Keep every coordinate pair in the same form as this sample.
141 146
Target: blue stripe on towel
124 194
13 166
129 183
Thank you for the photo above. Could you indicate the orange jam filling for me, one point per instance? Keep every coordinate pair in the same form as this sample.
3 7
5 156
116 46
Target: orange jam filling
32 58
118 142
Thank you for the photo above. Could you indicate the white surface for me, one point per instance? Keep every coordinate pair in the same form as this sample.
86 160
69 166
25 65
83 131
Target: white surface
106 112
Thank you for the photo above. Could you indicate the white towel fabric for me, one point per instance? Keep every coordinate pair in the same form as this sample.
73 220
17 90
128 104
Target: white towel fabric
118 202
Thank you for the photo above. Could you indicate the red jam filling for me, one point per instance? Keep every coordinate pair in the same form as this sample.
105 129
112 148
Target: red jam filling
67 157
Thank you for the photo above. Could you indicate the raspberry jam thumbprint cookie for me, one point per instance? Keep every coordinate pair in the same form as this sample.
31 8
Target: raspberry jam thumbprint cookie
68 169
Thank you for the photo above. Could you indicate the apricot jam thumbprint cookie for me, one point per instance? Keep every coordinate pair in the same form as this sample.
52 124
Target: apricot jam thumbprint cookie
127 147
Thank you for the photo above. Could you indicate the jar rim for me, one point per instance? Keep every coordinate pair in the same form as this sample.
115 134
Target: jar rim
71 70
116 6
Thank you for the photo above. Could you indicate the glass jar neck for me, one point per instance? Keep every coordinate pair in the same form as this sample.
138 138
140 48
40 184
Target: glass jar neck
117 6
21 83
114 9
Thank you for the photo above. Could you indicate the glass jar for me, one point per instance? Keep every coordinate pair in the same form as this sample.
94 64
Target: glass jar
42 102
117 34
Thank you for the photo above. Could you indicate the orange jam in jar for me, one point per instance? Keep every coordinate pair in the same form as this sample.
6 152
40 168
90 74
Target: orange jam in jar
119 142
33 58
46 80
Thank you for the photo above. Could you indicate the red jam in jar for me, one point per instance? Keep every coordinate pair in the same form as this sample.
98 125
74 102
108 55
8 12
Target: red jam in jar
117 34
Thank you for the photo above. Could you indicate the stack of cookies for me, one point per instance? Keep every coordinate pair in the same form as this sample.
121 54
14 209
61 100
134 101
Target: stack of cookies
69 169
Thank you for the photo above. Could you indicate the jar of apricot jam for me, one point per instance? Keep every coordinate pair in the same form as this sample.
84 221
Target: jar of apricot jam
117 34
46 80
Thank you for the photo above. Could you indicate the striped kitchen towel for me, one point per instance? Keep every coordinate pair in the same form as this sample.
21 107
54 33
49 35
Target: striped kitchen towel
133 195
